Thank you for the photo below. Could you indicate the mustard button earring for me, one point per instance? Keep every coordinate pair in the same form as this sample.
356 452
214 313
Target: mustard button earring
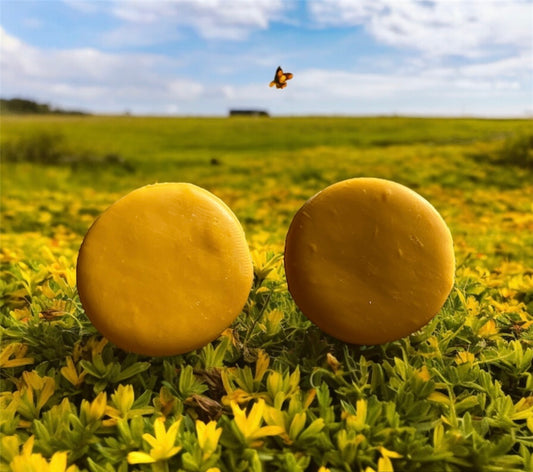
369 260
164 270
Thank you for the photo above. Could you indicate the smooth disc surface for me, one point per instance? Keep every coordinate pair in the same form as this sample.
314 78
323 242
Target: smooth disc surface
369 260
164 270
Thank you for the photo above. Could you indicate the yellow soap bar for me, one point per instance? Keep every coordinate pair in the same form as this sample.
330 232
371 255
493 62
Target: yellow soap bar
164 270
369 260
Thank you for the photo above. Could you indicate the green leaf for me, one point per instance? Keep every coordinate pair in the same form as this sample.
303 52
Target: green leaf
132 370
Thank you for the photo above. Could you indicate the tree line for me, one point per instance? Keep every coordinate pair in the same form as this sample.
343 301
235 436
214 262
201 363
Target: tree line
24 106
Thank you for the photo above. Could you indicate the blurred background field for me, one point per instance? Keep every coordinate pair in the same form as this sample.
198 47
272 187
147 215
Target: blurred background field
60 172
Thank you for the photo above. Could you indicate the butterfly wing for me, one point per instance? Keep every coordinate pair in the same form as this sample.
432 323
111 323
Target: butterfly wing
280 78
277 75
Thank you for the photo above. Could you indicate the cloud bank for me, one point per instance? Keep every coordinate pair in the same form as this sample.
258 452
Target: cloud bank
459 58
438 27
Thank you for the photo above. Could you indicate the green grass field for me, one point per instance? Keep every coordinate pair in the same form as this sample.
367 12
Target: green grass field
273 393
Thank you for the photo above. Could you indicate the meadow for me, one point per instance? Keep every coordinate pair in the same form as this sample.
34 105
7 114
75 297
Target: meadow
272 393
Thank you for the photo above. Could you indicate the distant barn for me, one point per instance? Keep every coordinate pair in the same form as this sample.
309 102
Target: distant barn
248 113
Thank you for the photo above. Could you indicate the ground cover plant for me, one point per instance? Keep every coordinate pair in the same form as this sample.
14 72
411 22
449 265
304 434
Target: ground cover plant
273 392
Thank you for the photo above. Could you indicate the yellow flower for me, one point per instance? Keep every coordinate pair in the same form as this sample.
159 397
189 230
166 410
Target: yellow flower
272 321
9 445
511 306
47 291
334 363
62 271
287 385
472 306
488 329
357 422
123 399
96 346
237 395
385 464
208 436
95 410
292 429
35 392
250 426
275 417
261 365
464 357
21 314
388 453
90 348
28 461
58 463
523 410
507 293
71 374
264 263
6 255
439 397
17 350
423 373
163 444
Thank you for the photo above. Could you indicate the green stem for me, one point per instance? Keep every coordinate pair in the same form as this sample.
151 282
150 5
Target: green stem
160 466
258 317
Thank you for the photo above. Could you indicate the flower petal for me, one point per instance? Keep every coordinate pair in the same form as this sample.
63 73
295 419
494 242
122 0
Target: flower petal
138 457
58 463
267 431
150 440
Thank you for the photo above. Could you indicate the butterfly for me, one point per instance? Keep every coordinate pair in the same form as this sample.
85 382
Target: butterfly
280 79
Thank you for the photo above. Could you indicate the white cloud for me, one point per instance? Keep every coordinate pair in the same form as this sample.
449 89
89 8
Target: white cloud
84 6
145 22
32 22
444 90
438 27
83 65
344 12
447 91
443 81
516 66
91 79
98 81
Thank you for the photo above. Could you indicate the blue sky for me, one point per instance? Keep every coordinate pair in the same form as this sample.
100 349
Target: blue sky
203 57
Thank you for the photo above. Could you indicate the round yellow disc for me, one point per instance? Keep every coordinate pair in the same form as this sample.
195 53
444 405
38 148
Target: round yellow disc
164 270
369 260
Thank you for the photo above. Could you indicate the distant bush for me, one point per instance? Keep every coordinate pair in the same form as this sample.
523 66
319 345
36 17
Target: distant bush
42 147
50 149
21 106
517 151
